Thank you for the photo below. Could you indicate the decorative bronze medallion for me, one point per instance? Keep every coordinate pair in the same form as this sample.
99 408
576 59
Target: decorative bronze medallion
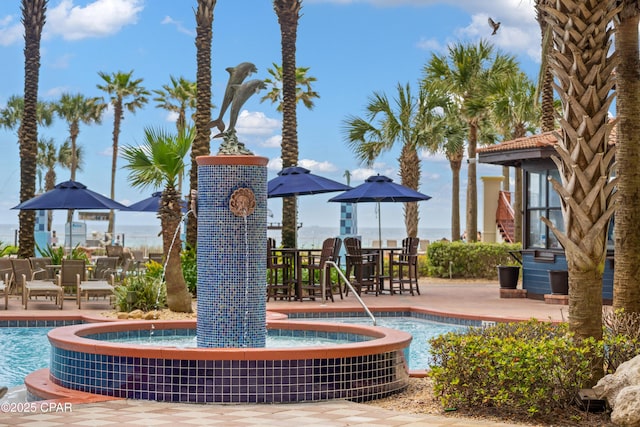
243 202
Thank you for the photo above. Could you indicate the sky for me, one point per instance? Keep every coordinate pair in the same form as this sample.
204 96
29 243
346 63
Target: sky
352 47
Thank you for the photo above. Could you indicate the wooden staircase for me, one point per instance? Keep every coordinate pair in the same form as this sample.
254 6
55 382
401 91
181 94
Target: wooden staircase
505 218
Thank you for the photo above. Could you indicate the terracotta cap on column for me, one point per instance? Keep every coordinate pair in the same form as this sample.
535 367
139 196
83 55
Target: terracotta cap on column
225 159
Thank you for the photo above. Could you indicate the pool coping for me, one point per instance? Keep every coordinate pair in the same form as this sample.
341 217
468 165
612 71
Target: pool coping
39 381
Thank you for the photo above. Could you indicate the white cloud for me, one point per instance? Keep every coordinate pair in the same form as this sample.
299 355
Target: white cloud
275 164
98 19
272 142
256 123
316 166
10 32
172 116
430 45
178 24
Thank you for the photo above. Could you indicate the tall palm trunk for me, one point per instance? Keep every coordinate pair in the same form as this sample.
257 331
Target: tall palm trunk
288 12
583 71
178 297
33 18
204 35
117 121
410 174
74 131
626 278
455 163
472 190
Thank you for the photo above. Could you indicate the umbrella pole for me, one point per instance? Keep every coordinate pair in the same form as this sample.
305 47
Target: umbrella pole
379 226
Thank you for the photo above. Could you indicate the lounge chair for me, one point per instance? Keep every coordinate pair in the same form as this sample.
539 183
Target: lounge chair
5 275
32 287
94 288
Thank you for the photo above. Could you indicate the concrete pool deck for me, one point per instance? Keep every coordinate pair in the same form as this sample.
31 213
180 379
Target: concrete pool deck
477 299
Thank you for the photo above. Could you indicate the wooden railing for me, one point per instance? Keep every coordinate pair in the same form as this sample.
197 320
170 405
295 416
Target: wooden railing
505 218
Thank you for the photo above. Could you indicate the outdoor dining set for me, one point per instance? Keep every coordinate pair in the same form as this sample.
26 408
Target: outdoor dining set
299 274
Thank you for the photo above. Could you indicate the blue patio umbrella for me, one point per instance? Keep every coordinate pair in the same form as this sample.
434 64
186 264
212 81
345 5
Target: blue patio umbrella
151 204
379 188
298 181
69 195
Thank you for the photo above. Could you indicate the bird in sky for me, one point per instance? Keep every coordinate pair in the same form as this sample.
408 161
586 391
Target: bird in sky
494 25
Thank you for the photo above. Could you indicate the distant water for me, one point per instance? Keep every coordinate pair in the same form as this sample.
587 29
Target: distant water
147 236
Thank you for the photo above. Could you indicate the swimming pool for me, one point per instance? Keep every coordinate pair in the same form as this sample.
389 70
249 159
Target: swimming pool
27 349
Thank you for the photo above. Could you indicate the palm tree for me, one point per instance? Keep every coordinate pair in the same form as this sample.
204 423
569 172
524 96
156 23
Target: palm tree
514 112
159 162
177 98
545 79
288 13
387 125
585 81
125 93
465 75
304 90
33 19
48 158
201 147
76 109
626 287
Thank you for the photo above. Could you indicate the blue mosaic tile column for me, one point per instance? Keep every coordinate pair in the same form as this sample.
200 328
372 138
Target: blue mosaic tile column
231 258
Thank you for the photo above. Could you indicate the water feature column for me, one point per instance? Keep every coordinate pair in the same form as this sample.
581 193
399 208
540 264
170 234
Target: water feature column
231 257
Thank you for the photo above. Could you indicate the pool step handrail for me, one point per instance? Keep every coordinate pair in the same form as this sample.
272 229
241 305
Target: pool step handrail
326 278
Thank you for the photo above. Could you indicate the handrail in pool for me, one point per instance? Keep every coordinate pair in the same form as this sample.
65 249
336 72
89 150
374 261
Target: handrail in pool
341 274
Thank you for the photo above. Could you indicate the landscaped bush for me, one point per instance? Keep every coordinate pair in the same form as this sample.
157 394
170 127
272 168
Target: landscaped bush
141 292
7 249
621 336
57 253
527 367
190 269
469 260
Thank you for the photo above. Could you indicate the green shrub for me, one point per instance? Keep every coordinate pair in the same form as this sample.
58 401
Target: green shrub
527 367
141 292
57 253
621 336
190 269
154 269
7 249
469 260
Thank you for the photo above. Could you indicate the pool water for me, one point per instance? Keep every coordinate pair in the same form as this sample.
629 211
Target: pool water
181 341
421 330
25 350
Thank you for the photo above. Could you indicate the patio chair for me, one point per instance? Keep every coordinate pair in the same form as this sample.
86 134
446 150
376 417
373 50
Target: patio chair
362 267
5 274
96 288
279 273
317 263
105 267
32 287
5 264
405 261
72 272
40 264
115 251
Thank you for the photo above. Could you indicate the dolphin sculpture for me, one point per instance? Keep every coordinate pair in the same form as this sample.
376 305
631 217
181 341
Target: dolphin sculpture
237 75
240 95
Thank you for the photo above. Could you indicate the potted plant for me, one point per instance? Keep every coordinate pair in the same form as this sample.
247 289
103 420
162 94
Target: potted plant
508 276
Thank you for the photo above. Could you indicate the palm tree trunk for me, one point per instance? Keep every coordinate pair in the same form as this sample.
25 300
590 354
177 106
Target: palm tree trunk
584 74
201 147
117 120
288 12
178 296
74 131
455 163
626 286
33 18
410 176
472 189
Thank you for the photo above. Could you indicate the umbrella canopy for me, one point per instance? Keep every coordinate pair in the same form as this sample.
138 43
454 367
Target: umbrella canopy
379 188
150 204
70 195
297 181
